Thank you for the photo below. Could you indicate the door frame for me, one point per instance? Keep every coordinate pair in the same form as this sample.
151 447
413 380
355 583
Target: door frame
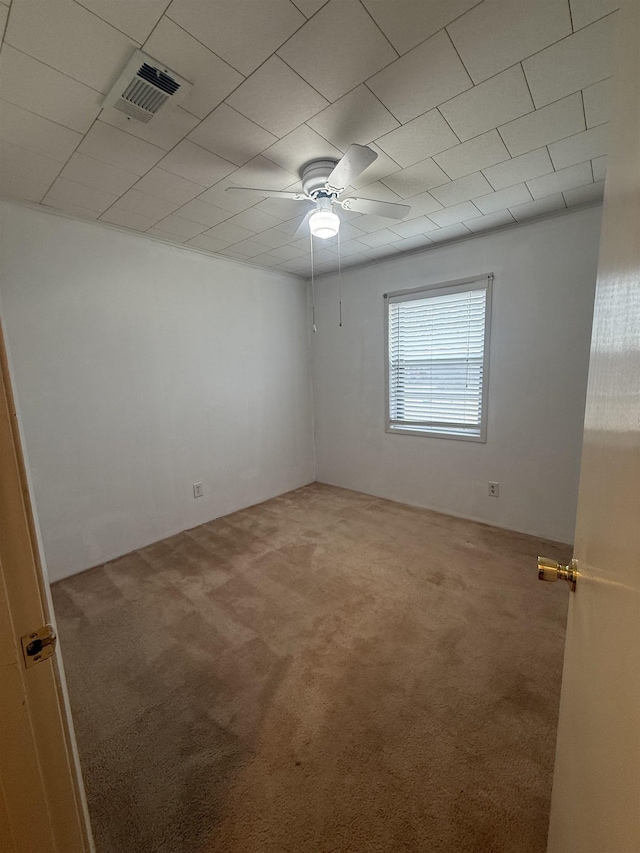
42 800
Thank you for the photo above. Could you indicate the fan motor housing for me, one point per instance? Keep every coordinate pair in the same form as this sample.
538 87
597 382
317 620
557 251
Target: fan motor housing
315 175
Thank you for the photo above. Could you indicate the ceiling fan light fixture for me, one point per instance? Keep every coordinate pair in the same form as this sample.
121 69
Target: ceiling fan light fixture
324 224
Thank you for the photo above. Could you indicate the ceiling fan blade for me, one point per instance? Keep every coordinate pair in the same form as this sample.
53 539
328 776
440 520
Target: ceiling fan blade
353 164
377 208
303 228
271 193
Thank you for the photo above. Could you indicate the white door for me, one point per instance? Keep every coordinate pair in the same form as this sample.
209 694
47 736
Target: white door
596 790
42 806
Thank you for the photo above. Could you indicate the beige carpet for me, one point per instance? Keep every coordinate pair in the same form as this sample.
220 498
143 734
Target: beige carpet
323 673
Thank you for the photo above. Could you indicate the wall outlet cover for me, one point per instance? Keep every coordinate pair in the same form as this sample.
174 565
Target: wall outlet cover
197 490
494 490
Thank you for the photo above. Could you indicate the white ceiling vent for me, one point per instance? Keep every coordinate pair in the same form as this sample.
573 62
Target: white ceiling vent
144 87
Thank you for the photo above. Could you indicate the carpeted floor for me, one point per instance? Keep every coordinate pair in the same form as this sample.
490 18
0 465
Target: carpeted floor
326 672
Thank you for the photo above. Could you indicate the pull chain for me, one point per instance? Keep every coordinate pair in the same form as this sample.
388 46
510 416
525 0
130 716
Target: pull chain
340 277
313 294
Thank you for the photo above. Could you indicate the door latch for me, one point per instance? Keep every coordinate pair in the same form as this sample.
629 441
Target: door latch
549 570
38 646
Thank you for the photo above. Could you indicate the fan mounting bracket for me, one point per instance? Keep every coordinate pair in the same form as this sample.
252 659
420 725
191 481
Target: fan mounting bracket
314 178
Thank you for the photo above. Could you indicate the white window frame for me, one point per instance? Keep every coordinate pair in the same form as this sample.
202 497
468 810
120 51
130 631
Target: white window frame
457 286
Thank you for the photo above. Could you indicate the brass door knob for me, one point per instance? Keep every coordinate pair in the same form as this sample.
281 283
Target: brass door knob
550 571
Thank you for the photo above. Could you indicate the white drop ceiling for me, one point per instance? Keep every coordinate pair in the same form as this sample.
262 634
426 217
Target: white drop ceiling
482 112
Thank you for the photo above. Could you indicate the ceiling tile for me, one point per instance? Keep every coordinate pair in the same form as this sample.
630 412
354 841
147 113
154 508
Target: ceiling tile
244 34
586 12
457 213
79 195
248 248
501 200
584 195
276 98
253 220
501 99
192 162
71 39
349 231
147 205
72 209
491 220
165 184
177 225
205 214
164 235
229 233
165 130
540 207
498 33
385 251
15 186
583 146
42 90
94 173
309 7
230 135
299 147
37 134
422 137
410 244
282 208
274 237
522 168
555 121
356 117
120 149
597 102
408 22
127 219
557 182
367 224
478 153
134 19
381 167
379 238
267 260
201 241
422 204
212 78
416 179
352 247
27 164
376 190
450 232
356 48
599 168
260 172
233 202
572 64
286 253
462 190
421 79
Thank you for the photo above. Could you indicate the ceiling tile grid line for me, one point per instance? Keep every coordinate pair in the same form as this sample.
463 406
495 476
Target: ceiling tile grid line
145 158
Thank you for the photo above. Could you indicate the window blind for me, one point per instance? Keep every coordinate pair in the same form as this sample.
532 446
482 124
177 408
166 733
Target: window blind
437 360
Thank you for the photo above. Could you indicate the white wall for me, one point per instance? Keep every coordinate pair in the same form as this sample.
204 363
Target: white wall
141 368
542 308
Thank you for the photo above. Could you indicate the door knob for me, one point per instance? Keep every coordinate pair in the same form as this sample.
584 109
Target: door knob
549 570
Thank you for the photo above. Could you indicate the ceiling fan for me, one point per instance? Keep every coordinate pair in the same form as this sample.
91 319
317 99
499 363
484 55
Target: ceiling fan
323 181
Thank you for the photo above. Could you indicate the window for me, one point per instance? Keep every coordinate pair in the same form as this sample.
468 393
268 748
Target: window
437 359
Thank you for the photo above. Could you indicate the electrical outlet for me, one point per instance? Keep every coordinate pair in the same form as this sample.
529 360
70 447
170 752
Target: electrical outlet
494 490
197 490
